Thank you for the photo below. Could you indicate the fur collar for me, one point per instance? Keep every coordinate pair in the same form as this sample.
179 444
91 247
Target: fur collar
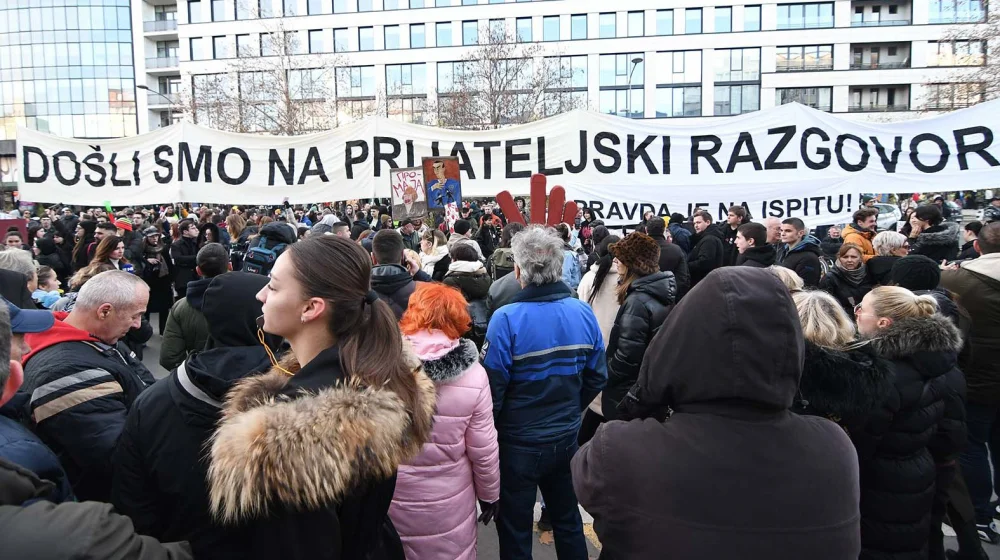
307 453
843 384
946 234
452 365
911 335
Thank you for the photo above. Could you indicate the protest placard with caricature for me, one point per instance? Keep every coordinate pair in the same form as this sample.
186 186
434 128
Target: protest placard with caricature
409 198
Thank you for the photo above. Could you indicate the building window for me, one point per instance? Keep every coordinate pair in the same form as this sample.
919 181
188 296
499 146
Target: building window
242 10
269 45
162 13
245 46
406 89
607 24
954 96
199 49
550 28
957 53
318 41
818 97
956 11
195 12
291 7
364 5
692 20
340 6
218 10
394 4
804 58
523 26
578 26
366 38
664 22
621 82
315 7
340 41
680 67
470 33
636 24
357 81
682 101
417 38
805 16
570 90
391 37
497 31
737 79
751 18
444 34
723 19
450 73
167 49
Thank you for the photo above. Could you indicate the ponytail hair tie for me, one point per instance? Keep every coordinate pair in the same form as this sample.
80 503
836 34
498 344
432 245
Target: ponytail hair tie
371 297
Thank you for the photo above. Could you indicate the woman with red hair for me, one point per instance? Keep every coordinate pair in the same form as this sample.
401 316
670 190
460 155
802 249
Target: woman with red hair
434 506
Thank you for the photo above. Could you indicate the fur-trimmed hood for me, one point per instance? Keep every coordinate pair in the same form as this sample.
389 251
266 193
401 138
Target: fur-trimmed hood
945 233
306 453
452 365
843 384
908 336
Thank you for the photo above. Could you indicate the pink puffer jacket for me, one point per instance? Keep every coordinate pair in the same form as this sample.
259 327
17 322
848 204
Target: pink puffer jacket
434 507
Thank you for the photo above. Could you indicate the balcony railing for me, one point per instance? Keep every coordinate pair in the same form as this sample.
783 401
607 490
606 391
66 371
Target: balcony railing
803 66
880 65
880 23
161 62
971 18
157 98
159 25
824 23
949 105
878 108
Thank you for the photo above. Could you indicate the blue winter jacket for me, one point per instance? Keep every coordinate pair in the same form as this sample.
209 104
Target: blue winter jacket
23 448
545 358
571 274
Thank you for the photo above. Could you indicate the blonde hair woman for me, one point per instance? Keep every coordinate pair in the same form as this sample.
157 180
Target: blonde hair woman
788 277
434 254
924 420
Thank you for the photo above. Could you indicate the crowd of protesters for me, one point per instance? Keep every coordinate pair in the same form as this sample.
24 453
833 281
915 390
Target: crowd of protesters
345 386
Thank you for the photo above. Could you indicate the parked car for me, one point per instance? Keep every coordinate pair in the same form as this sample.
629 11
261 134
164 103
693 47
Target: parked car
888 217
956 212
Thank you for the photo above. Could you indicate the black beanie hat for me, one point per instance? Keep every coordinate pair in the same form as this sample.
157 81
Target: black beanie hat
916 272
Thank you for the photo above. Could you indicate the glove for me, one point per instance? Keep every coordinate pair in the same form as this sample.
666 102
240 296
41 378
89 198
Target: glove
490 511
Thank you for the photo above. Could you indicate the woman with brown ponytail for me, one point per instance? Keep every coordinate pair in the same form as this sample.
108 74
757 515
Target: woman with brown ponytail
305 457
903 486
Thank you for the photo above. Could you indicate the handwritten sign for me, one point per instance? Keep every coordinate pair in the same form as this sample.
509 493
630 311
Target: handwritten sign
409 199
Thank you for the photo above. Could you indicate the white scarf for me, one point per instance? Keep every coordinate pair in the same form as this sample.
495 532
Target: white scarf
466 266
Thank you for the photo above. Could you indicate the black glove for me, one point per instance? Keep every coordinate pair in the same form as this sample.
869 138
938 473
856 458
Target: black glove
490 511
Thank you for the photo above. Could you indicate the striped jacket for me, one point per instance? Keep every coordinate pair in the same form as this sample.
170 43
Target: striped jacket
79 391
545 358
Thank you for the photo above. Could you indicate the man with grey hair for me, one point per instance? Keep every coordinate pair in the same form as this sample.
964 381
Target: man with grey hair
544 354
80 379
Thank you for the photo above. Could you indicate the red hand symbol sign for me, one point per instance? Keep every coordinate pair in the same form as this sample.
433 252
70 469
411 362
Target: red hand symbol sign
559 211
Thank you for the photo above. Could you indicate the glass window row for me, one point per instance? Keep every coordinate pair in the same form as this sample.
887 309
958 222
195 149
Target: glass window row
71 36
65 54
77 125
61 18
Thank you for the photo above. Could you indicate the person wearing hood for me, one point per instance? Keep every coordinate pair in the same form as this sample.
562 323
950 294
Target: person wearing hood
692 485
977 285
209 233
915 459
469 275
970 233
184 255
434 505
159 465
755 251
48 254
84 234
393 277
463 234
646 297
848 280
931 236
800 252
80 379
708 249
861 231
831 242
434 254
890 247
303 462
186 329
672 257
679 234
572 272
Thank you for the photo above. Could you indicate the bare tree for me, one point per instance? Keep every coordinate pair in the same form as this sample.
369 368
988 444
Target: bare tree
270 87
972 49
505 82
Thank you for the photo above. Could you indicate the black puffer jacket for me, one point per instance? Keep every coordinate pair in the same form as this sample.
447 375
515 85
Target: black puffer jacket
938 242
184 255
803 259
880 269
707 253
647 304
847 293
673 259
831 246
757 257
924 437
394 285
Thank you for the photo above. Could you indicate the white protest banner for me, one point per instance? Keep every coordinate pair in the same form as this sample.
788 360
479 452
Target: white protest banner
769 159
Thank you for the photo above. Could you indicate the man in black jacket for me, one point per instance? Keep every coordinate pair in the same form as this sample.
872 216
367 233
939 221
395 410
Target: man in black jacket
159 474
751 242
736 217
80 379
800 251
708 250
184 253
672 258
393 281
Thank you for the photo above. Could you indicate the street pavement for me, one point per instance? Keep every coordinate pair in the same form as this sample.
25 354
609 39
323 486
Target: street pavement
489 549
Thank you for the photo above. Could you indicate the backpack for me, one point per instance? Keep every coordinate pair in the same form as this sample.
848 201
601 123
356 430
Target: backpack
262 253
501 263
480 314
